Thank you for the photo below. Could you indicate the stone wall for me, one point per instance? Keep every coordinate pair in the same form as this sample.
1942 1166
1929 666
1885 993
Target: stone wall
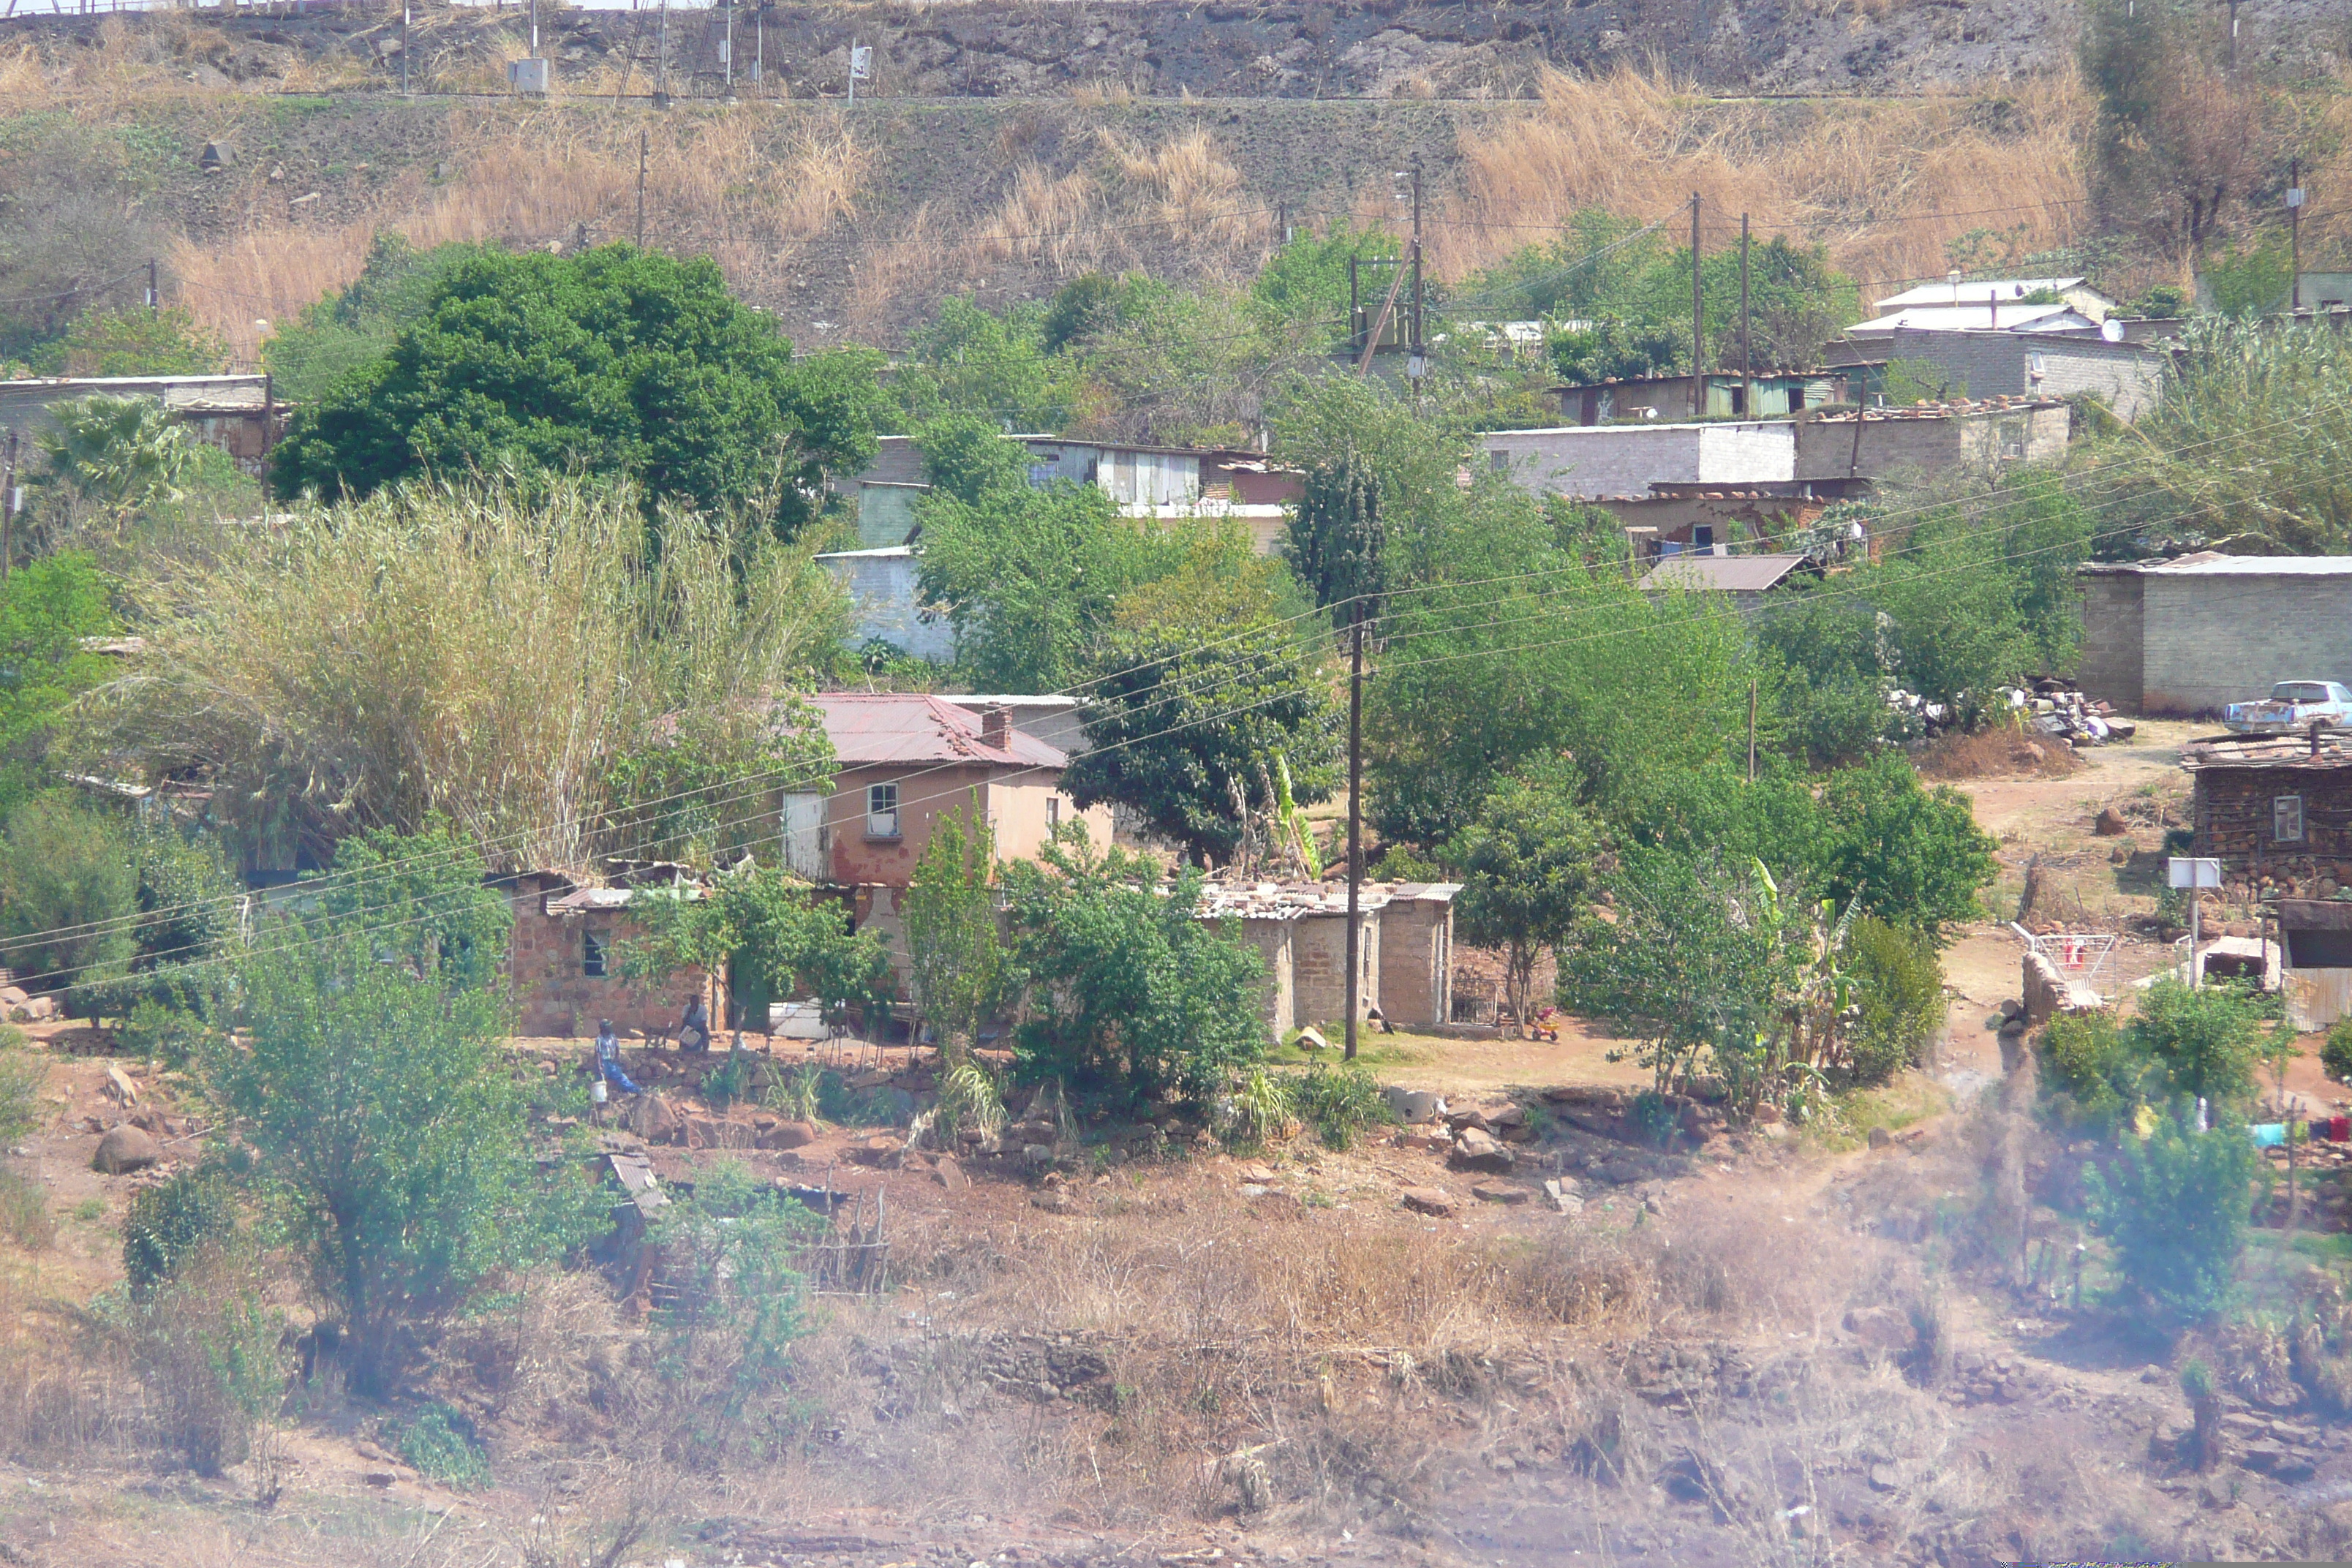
555 995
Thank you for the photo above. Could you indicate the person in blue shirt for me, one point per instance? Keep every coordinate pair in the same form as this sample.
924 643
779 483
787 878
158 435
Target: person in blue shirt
608 1057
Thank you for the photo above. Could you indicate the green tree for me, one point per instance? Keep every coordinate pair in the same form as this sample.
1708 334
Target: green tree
1030 577
2176 1205
616 361
50 610
68 895
992 367
1612 349
774 932
955 962
1526 868
424 898
1335 536
967 457
1130 992
387 1134
1194 695
2206 1039
1913 857
167 342
337 335
1302 290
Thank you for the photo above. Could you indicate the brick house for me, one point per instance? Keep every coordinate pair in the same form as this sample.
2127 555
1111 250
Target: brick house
905 759
563 961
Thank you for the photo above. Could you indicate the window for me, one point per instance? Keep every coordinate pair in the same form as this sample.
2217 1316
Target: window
1499 461
1053 811
882 811
2287 818
2319 949
592 956
1702 537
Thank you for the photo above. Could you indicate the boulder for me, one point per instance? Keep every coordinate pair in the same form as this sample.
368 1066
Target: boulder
2109 824
125 1149
787 1135
1561 1191
1037 1153
1881 1329
1054 1200
1497 1193
655 1121
1409 1105
1436 1202
35 1010
950 1174
11 995
1477 1151
1880 1138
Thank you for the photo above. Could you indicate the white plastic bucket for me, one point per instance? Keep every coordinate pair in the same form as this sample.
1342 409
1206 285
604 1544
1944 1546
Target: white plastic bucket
597 1091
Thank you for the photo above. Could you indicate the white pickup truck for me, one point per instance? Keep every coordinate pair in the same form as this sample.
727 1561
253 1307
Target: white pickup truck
2293 705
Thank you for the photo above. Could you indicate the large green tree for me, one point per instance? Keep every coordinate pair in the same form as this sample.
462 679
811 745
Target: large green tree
616 361
1527 865
50 609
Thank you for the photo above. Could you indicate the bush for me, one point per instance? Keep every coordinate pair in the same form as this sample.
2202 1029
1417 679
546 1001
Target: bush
439 1442
22 1074
2207 1038
2177 1205
25 1216
2091 1070
212 1351
1340 1103
68 892
1899 999
1130 992
2336 1052
170 1226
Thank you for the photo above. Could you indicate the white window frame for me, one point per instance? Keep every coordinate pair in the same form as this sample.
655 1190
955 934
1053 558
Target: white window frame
882 811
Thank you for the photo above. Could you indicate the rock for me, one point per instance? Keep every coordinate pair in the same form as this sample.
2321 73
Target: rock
1409 1105
2109 824
216 156
1563 1194
1478 1150
1258 1174
37 1010
1037 1153
655 1121
703 1133
787 1135
1428 1143
1881 1329
879 1150
949 1173
125 1149
1254 1189
1436 1202
12 996
1880 1138
1506 1117
119 1087
1767 1114
1054 1200
1885 1479
1495 1193
1311 1039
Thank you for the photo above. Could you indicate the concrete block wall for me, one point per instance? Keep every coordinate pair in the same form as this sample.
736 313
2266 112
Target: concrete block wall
2114 646
1319 966
1416 960
1624 459
2212 639
2128 376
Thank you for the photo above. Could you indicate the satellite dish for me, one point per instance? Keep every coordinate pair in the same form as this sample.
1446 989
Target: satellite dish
2112 329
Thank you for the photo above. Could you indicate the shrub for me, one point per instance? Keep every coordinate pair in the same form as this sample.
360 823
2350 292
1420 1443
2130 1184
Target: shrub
25 1216
1340 1103
1257 1111
66 892
2090 1067
22 1077
439 1442
2336 1052
170 1226
2207 1038
1899 999
2177 1205
211 1349
1128 991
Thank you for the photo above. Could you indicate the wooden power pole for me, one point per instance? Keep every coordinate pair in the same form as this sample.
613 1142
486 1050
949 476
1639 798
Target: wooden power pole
1354 817
1698 324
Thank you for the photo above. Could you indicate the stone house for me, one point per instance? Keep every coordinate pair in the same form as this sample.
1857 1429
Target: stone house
2275 810
1404 950
234 413
1668 397
1930 438
1743 580
2128 377
1594 461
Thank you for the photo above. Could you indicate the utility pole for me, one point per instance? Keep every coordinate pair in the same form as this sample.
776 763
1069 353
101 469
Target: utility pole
2233 34
1747 364
8 502
2294 230
643 135
726 49
661 57
760 42
1416 363
154 295
534 29
1751 732
852 70
404 47
1355 814
1698 324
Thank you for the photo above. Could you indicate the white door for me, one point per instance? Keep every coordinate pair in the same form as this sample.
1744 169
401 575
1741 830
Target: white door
804 836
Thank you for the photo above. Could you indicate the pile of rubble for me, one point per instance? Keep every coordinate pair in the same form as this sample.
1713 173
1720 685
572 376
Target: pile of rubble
2056 706
1932 718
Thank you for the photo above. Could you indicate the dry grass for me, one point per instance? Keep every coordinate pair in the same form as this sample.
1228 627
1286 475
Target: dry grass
728 183
1863 177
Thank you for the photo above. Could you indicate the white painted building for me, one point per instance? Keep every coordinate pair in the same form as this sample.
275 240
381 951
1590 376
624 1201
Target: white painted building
1591 461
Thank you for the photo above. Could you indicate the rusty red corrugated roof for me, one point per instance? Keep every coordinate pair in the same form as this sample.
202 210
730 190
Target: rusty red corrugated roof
870 728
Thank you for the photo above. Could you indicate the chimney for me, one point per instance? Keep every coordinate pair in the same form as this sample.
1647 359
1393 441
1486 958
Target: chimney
2316 727
996 727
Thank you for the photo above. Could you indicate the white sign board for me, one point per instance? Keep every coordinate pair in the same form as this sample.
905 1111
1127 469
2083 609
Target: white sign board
2187 872
861 62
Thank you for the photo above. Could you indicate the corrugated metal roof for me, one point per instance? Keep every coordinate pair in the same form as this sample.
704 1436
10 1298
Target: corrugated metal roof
1222 899
1722 574
2267 751
2205 564
2006 289
2014 317
870 728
